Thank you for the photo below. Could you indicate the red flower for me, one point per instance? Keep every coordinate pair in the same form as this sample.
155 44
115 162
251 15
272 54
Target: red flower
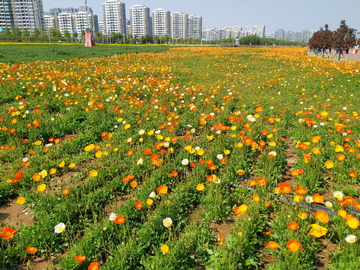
80 259
119 220
8 233
31 249
293 226
93 266
138 205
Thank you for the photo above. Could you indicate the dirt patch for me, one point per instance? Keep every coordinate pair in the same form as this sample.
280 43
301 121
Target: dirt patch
195 216
291 160
58 184
120 200
224 229
44 264
324 255
14 215
266 259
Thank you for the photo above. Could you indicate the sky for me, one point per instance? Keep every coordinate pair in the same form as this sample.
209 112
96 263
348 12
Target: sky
274 14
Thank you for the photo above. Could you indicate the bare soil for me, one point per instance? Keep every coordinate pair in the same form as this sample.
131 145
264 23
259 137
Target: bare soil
291 158
324 254
14 215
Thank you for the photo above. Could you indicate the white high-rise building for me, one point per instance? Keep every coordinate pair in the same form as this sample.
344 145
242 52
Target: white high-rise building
6 14
82 21
140 20
194 26
279 34
49 22
212 34
179 24
66 22
160 22
114 17
27 14
102 27
258 30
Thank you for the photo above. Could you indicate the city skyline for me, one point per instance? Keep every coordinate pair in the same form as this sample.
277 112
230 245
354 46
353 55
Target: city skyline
274 14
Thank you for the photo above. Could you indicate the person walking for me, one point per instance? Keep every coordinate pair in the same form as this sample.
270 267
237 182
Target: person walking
356 49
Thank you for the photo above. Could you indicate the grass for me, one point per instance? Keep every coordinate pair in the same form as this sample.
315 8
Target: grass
25 53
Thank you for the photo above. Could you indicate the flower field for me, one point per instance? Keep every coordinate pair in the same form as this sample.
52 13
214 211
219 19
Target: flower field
192 158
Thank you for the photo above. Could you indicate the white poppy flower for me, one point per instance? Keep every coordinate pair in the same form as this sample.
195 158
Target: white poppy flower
112 217
338 195
185 162
351 238
167 222
59 228
309 199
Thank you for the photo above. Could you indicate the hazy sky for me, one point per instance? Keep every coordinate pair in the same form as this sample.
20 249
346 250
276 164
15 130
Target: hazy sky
274 14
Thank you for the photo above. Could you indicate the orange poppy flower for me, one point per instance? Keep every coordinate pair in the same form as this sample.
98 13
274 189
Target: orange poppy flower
293 245
222 239
8 233
340 157
162 190
119 220
300 190
93 266
293 225
126 179
19 175
352 174
37 177
174 173
147 151
349 199
129 153
138 205
247 141
272 245
256 198
317 198
80 259
240 209
261 181
31 249
357 205
285 188
267 204
66 192
322 216
212 167
252 182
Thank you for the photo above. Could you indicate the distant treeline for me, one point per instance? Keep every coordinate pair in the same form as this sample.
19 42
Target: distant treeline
255 40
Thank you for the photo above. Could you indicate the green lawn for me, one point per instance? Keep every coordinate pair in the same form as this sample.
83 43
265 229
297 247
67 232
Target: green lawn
19 53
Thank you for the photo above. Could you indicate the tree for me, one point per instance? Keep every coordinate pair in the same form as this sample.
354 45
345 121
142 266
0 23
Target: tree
75 36
17 33
327 37
98 36
35 34
82 36
25 34
344 36
67 35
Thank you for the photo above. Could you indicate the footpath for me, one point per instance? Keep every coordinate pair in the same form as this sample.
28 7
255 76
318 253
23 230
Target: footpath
335 56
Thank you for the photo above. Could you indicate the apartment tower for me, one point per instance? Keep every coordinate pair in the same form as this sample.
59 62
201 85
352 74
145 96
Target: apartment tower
114 17
161 22
194 26
179 24
140 20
